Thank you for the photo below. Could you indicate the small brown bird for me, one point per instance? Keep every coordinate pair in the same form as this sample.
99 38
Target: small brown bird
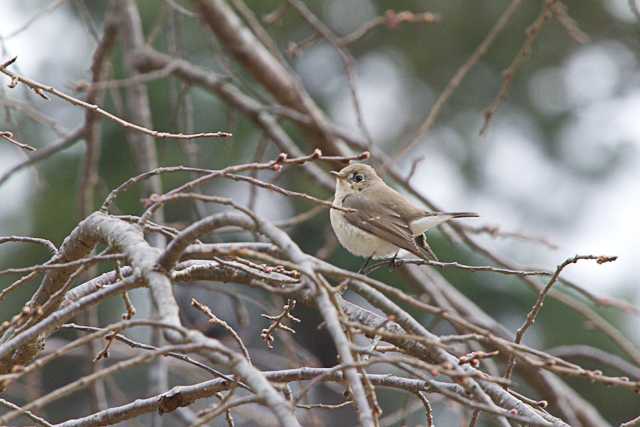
382 221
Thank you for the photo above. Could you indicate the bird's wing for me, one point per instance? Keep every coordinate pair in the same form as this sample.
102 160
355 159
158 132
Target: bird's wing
430 220
380 220
403 212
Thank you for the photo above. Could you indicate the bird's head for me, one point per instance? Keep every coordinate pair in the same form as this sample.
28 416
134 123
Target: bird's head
355 177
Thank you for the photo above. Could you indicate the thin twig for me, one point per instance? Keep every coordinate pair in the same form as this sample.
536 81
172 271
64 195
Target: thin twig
45 152
44 242
277 322
215 320
345 56
427 408
8 136
636 420
96 332
561 13
63 265
507 76
537 306
27 413
391 19
42 90
49 8
455 264
457 78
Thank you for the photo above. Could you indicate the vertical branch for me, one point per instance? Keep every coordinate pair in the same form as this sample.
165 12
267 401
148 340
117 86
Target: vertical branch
346 57
89 180
99 67
531 34
330 315
139 110
181 102
146 157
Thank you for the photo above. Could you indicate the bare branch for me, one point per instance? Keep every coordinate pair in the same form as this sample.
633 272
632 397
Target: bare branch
8 136
44 242
531 34
457 78
277 323
215 320
38 420
41 90
533 313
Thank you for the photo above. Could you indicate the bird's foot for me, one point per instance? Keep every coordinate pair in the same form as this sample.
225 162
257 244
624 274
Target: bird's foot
393 262
363 268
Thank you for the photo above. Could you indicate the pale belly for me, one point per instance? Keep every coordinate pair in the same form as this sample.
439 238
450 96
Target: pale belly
358 241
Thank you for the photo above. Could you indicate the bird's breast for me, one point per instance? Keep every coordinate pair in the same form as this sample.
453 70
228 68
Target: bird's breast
358 241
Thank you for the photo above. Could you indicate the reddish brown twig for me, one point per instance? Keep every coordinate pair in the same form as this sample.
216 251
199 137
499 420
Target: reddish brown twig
475 357
278 323
391 19
507 76
215 320
561 13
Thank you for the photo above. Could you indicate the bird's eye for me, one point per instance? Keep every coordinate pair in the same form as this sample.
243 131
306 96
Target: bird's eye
358 177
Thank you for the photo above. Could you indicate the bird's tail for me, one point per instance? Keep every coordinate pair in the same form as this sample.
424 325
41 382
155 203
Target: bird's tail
458 214
433 219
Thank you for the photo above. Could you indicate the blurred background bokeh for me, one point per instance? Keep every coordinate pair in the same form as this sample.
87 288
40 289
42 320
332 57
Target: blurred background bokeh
560 160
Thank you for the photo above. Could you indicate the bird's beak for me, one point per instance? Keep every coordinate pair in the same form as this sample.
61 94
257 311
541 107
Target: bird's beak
336 173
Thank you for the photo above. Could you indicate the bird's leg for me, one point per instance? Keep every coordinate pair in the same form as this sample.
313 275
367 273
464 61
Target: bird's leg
393 261
345 283
366 263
